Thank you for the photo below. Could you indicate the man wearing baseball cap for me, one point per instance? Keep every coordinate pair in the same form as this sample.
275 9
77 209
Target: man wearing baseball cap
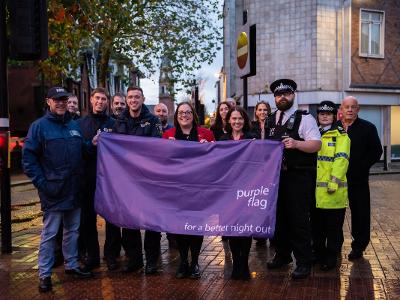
52 158
301 138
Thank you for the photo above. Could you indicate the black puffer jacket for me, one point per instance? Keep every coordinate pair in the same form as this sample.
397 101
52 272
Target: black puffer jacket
144 125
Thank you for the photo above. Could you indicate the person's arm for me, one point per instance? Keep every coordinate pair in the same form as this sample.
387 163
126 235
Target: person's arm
310 146
373 151
340 163
309 131
31 153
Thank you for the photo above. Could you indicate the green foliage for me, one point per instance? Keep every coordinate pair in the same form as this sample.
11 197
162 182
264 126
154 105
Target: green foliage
142 31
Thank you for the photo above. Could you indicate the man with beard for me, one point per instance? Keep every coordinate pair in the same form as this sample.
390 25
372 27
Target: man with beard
301 138
137 120
118 105
161 111
96 120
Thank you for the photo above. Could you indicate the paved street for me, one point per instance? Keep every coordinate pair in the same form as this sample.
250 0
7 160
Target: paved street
374 277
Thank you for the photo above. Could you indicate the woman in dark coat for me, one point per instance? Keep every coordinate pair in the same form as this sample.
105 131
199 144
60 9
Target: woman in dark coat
261 112
218 128
238 128
187 129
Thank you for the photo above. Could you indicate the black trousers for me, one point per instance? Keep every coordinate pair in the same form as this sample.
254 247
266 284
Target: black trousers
293 230
359 201
88 230
240 248
131 241
328 238
192 242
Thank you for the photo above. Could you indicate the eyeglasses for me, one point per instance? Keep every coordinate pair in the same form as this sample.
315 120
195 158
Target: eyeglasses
185 113
285 94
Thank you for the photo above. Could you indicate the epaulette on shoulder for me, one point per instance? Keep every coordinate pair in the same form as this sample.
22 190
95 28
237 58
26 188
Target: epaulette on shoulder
341 129
303 112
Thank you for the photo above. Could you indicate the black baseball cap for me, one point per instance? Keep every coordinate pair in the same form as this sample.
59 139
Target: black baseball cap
57 92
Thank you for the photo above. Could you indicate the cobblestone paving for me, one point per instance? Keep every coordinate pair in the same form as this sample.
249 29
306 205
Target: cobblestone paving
374 277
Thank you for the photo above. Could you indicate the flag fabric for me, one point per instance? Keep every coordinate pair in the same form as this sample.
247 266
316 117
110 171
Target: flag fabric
225 188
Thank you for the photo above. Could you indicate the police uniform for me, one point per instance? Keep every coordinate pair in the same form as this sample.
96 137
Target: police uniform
331 190
293 233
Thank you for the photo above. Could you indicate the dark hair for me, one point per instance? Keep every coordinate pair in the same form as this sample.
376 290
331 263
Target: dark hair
246 125
117 95
195 117
218 123
257 105
135 88
99 90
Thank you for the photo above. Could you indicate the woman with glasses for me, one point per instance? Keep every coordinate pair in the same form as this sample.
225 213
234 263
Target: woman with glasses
187 128
238 128
261 112
218 128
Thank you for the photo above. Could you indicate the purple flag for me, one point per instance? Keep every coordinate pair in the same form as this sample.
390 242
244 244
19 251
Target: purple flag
224 188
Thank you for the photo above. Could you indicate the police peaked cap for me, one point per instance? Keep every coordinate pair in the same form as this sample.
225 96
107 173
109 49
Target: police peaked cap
283 86
327 106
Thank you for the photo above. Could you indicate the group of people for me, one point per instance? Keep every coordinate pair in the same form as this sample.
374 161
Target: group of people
60 157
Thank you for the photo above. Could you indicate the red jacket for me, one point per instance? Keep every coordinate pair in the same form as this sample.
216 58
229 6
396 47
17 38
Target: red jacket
202 133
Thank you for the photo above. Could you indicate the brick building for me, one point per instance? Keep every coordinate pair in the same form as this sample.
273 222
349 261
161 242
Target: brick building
331 48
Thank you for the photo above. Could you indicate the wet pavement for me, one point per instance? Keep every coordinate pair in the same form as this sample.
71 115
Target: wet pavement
376 276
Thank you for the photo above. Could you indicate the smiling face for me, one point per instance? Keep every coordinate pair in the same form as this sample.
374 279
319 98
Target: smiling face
57 106
135 100
118 105
185 116
236 121
161 111
223 111
262 112
99 102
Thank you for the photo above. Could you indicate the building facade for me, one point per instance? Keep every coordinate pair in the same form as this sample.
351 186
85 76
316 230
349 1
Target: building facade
331 48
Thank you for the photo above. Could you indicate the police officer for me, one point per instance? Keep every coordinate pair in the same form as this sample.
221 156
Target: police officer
96 120
52 158
137 120
301 138
331 187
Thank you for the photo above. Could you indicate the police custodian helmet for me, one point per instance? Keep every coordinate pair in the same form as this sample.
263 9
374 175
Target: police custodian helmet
327 106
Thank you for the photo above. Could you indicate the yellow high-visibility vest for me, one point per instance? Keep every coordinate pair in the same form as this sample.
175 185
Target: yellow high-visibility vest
332 164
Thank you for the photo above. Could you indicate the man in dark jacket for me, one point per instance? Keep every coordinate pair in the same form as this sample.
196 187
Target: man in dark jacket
365 150
52 158
96 120
137 120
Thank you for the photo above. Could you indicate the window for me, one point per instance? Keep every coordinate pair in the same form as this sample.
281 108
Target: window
371 33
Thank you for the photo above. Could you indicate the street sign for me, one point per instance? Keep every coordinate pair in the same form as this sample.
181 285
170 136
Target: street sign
245 51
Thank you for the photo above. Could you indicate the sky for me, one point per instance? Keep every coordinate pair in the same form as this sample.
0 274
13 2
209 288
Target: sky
207 72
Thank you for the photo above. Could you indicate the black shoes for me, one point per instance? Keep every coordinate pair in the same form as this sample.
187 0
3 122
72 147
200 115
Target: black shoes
355 254
112 264
79 273
279 261
132 266
183 271
151 268
90 265
194 272
302 271
45 284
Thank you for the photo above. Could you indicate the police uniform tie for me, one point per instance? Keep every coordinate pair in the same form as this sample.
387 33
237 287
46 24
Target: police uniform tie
280 119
